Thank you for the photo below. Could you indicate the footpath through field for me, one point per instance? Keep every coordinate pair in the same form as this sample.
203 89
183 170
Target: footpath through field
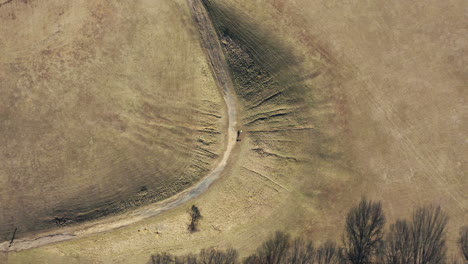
215 56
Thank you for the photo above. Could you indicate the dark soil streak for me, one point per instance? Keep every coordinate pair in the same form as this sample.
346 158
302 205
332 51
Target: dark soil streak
6 2
265 153
266 118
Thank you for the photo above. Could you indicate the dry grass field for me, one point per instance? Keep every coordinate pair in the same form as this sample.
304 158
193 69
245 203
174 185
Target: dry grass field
100 110
337 99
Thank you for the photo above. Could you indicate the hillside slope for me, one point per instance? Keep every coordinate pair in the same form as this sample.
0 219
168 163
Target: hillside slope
97 112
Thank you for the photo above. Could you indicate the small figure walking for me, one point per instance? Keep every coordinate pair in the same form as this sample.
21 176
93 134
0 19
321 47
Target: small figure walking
238 135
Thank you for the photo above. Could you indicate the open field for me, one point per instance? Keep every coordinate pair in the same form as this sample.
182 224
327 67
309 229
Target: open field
94 120
221 74
337 100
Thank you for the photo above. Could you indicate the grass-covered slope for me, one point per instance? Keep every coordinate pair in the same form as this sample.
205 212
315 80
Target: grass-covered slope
338 100
101 109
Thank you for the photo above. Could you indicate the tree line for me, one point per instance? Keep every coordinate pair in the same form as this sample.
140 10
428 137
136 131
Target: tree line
418 240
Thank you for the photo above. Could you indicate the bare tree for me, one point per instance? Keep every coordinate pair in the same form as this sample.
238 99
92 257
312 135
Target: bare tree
464 242
163 258
186 259
428 235
328 253
363 236
195 217
214 256
232 256
207 256
302 252
275 250
399 244
252 259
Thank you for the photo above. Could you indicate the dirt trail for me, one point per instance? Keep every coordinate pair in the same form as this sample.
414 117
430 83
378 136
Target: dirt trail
221 74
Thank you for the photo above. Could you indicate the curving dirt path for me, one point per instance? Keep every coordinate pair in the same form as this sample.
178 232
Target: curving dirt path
211 45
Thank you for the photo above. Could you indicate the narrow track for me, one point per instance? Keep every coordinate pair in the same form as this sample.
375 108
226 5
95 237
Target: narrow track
214 53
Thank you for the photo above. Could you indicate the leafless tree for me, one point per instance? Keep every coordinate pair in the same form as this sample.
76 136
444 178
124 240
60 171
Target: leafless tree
208 256
302 252
275 250
428 235
232 256
214 256
186 259
252 259
419 241
328 253
364 232
399 244
464 242
163 258
195 217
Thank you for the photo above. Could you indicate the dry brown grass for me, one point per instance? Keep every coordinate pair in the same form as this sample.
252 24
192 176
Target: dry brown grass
383 118
103 106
